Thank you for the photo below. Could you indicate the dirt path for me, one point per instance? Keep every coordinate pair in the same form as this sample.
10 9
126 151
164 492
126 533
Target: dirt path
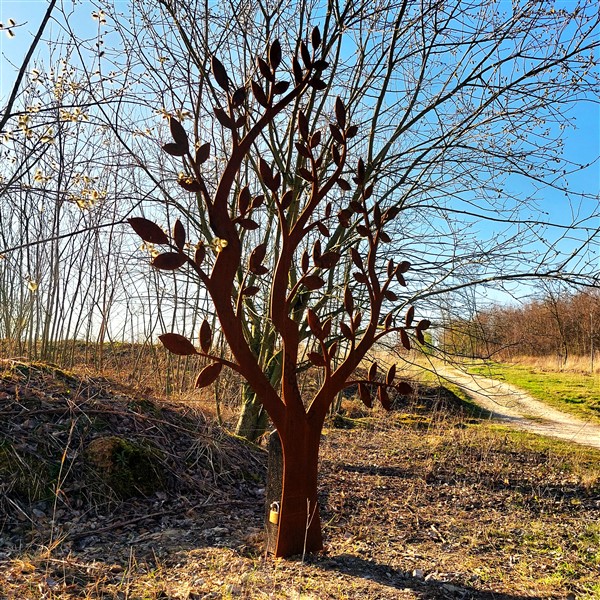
518 409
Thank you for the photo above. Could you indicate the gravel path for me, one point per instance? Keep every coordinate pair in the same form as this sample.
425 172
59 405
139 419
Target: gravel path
520 410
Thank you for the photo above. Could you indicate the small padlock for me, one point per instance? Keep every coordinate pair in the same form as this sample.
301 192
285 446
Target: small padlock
274 513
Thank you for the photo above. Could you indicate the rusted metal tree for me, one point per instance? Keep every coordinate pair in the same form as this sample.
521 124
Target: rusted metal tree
338 341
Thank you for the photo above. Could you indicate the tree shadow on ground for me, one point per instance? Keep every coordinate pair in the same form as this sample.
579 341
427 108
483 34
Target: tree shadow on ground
431 589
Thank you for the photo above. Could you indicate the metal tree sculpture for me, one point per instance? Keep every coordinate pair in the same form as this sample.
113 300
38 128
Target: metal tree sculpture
335 344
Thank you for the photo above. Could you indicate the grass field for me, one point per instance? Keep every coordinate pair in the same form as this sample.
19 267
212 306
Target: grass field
574 392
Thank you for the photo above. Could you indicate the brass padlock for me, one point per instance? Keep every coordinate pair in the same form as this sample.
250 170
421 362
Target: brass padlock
274 513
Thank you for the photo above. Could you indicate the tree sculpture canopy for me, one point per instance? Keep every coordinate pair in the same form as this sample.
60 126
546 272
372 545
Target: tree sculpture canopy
320 194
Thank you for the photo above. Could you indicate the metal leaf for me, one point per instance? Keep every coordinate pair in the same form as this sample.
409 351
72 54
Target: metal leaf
391 374
356 258
348 301
287 199
314 323
281 87
326 327
384 237
305 54
205 336
364 395
304 261
317 83
297 69
384 398
169 261
302 150
344 185
323 229
243 200
404 266
410 315
317 359
303 126
351 131
328 260
219 73
208 375
248 224
316 253
344 217
312 282
391 296
178 133
305 174
404 339
362 230
346 331
148 230
175 149
203 153
259 94
373 372
177 344
190 185
315 38
340 112
424 324
224 119
250 290
404 388
238 97
264 69
336 134
179 234
275 55
200 254
256 258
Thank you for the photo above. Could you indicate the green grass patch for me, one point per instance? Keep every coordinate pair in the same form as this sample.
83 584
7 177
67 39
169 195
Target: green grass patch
575 393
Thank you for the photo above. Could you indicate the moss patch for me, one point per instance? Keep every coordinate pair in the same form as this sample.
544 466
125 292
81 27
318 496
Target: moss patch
129 469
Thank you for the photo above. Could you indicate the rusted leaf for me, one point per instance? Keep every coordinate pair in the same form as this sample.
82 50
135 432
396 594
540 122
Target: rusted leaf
266 173
340 113
351 131
178 133
208 375
368 193
248 224
179 234
391 374
203 153
391 213
400 278
326 327
376 215
356 321
250 290
362 230
297 69
256 258
373 371
259 94
356 258
344 185
346 331
390 268
360 277
306 174
364 395
315 38
258 202
360 171
384 398
305 54
169 261
404 266
303 150
281 87
264 69
336 134
328 260
303 126
355 206
420 336
317 83
175 149
205 336
305 261
320 64
317 359
314 323
337 157
388 321
410 315
243 200
177 344
391 296
199 254
275 55
219 72
424 324
344 217
148 230
332 349
287 199
312 282
404 339
316 253
348 301
384 237
315 139
404 388
238 97
224 119
323 229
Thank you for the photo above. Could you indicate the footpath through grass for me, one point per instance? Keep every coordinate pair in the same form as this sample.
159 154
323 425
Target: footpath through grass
575 393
